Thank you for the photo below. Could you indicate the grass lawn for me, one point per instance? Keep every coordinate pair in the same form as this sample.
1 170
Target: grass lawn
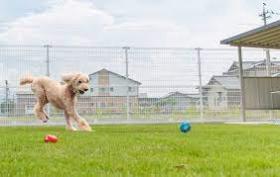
142 150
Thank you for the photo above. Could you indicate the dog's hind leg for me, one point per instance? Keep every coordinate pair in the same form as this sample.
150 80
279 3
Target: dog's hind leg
41 102
39 111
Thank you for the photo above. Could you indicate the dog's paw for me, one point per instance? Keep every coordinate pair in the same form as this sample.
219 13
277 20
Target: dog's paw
45 119
71 128
42 116
84 126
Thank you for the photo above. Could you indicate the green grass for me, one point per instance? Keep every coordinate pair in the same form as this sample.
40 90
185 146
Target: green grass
142 150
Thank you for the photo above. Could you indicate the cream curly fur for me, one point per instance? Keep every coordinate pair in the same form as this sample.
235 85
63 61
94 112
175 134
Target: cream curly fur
61 96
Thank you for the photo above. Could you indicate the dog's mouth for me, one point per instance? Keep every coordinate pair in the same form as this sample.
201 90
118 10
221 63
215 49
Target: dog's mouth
81 92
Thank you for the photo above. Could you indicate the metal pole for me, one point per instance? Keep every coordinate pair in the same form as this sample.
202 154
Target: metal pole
47 59
6 97
267 52
242 94
48 70
200 84
127 85
268 63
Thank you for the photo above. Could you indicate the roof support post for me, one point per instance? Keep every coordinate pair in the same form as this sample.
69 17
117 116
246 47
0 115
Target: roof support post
242 94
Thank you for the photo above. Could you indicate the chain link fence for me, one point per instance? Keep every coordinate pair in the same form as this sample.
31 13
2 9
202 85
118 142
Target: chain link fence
135 85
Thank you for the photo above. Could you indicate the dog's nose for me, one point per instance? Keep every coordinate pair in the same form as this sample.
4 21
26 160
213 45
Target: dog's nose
85 90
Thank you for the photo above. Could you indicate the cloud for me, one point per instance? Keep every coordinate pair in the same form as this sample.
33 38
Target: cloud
73 22
64 22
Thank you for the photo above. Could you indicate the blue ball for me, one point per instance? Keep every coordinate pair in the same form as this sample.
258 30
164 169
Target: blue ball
185 127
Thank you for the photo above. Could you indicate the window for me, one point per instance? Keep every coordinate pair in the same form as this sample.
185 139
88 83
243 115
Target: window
91 89
111 89
29 109
219 98
130 89
102 105
102 90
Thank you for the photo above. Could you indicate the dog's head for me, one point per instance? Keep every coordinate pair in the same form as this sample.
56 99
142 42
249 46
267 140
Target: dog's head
78 81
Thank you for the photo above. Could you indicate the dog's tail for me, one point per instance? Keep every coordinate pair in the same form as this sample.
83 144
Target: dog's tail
26 80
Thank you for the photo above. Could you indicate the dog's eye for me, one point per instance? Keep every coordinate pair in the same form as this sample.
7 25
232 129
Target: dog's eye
80 82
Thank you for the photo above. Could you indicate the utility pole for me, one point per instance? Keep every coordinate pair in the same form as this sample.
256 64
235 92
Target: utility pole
126 48
266 14
47 59
48 69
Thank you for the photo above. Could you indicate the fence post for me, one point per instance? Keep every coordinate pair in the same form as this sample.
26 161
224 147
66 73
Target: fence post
7 102
242 94
200 83
126 48
47 59
48 69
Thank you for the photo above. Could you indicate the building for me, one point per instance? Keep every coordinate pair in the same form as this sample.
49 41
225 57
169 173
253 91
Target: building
221 92
253 68
108 83
224 91
172 102
25 101
177 102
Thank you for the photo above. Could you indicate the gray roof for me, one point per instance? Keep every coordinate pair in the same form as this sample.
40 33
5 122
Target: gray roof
228 82
247 65
190 95
114 74
24 92
262 37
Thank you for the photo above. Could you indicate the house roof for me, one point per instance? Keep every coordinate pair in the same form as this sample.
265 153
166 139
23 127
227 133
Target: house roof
116 74
24 92
247 65
263 37
190 95
228 82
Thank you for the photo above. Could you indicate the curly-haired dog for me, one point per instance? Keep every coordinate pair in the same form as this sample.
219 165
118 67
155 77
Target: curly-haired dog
62 96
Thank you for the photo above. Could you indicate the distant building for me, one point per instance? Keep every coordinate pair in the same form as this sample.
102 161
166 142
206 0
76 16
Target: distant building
253 68
25 101
177 101
224 91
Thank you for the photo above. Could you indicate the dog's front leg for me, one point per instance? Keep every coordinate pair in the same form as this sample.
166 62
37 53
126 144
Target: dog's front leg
82 123
69 125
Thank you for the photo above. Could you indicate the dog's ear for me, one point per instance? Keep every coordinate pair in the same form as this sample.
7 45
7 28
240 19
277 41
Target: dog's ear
68 78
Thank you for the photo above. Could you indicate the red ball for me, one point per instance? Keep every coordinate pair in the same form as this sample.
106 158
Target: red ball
50 138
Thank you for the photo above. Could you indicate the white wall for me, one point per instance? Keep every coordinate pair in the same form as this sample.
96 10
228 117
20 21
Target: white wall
117 83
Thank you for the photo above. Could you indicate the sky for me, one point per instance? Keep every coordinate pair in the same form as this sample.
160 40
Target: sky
139 23
134 23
